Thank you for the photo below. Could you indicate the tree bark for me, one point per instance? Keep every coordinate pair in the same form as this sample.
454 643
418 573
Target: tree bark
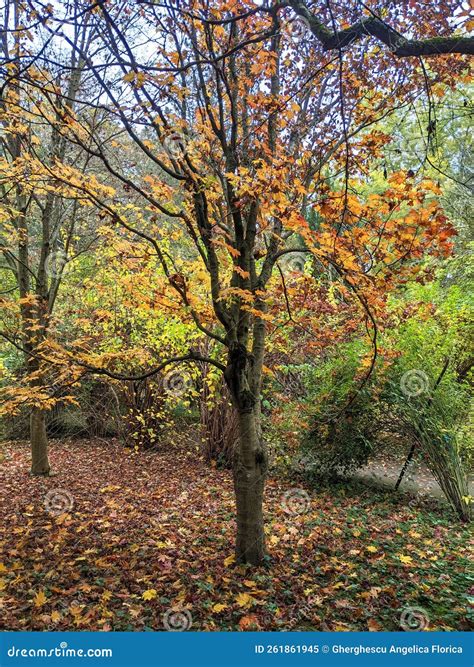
371 25
250 468
242 375
39 443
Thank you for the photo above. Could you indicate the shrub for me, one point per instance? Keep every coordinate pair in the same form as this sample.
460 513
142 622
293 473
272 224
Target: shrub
337 434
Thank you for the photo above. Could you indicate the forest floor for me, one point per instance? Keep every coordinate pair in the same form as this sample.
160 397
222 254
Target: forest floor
118 541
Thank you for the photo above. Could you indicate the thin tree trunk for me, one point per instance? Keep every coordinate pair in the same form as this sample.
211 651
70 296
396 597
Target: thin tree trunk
249 480
411 453
39 443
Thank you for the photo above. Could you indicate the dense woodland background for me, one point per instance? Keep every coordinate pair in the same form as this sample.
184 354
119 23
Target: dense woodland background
236 283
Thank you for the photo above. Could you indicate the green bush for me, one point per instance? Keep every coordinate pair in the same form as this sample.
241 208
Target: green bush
337 419
419 393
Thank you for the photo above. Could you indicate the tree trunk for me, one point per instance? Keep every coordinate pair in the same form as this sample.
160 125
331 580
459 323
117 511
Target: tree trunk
39 443
250 467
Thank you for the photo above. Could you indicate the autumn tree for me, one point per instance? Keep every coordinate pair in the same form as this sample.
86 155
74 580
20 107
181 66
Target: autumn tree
244 125
41 217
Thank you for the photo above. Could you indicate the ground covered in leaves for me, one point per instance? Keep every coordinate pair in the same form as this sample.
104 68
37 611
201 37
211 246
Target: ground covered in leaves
120 541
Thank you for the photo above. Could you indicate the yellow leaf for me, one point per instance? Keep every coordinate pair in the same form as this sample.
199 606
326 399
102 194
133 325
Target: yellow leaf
414 534
55 616
140 79
219 607
373 593
229 560
3 569
244 600
249 584
405 559
40 599
356 533
341 627
372 549
149 594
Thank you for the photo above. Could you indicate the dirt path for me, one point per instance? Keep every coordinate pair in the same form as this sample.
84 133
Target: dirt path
418 480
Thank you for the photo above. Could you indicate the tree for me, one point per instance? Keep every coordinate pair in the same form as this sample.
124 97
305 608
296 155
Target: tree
240 135
40 217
